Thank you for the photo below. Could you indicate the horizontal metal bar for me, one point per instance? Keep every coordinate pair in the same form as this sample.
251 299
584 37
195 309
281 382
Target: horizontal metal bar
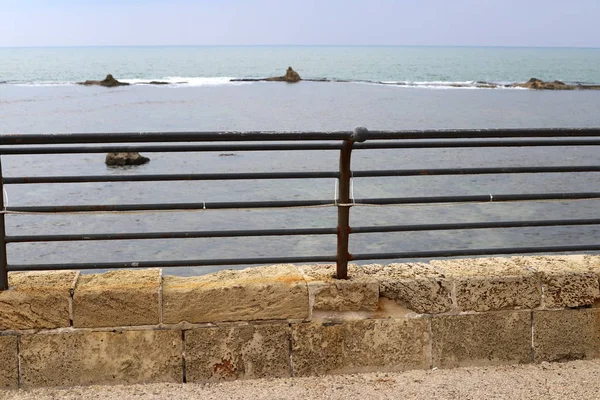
170 235
436 144
483 133
170 137
139 137
475 171
170 263
49 149
170 177
473 225
403 144
475 252
495 198
293 175
169 206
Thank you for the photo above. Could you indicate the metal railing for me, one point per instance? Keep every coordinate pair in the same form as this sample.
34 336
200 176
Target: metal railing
344 142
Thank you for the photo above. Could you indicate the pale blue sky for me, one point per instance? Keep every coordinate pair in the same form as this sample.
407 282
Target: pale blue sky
568 23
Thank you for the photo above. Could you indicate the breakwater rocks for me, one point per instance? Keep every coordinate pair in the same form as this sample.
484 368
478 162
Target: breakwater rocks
290 76
110 82
538 84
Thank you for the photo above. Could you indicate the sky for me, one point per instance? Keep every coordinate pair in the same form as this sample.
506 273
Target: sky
551 23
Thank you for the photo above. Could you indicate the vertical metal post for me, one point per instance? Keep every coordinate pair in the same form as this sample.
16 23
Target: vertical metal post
343 229
3 263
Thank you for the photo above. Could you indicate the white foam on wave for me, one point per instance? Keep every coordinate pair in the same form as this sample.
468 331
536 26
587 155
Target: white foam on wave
170 80
187 81
451 85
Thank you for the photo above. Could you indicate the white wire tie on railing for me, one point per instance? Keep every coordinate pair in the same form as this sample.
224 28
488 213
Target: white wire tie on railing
335 192
352 187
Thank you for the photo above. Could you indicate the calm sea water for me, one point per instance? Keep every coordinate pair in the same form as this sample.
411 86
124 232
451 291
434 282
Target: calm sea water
39 97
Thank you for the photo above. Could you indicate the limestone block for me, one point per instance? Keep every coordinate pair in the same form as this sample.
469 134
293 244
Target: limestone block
565 335
36 300
89 358
360 346
237 352
567 280
264 293
9 366
488 284
117 298
417 286
493 338
592 263
359 292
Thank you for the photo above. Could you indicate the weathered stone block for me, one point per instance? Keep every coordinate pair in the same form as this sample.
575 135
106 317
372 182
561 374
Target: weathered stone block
36 300
416 286
117 298
565 335
9 365
264 293
488 284
87 358
359 292
237 352
568 280
493 338
360 346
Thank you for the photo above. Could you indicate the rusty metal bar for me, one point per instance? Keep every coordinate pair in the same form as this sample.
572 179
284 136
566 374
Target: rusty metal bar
344 181
3 263
343 228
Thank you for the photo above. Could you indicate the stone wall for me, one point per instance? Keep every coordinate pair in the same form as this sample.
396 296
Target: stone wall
66 328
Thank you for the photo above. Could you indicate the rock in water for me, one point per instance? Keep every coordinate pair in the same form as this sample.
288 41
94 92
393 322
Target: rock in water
539 84
109 81
122 159
290 76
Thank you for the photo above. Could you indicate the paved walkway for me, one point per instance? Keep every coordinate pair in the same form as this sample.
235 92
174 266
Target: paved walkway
575 380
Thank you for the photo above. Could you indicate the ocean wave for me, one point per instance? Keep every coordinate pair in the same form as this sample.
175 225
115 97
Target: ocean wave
183 81
166 81
450 84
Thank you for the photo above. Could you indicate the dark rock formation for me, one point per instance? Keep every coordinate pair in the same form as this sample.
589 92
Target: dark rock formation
290 76
156 83
122 159
109 81
538 84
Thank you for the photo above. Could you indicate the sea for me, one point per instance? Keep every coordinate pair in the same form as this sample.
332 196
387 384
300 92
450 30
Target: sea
381 88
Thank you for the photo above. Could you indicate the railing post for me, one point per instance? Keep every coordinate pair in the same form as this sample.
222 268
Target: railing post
344 180
3 263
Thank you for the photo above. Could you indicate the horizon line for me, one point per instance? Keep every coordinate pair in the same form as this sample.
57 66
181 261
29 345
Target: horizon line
301 45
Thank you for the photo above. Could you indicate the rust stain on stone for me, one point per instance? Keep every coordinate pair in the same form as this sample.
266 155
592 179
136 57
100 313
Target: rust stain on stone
225 368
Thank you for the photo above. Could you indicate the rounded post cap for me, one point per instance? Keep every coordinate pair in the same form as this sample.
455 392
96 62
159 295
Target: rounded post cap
360 134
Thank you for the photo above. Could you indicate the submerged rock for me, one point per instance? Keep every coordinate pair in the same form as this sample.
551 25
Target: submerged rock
122 159
109 81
